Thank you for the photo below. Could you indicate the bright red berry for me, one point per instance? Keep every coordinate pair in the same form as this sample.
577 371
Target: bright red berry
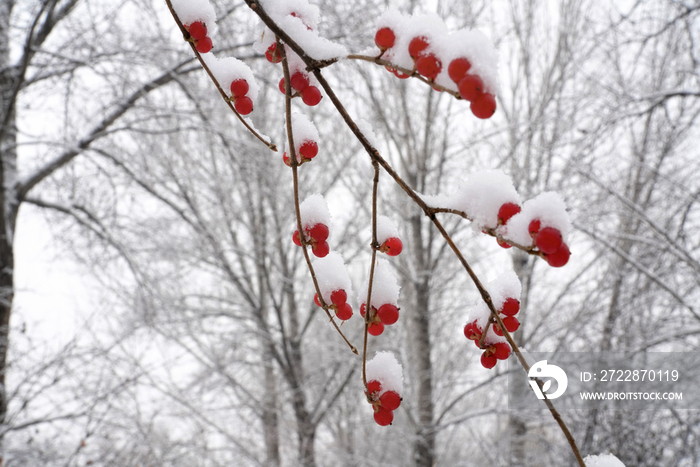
316 300
343 311
428 66
458 68
362 310
388 313
287 162
373 386
501 350
272 54
375 329
417 46
311 96
243 105
511 323
390 400
321 249
503 243
319 232
472 331
295 236
299 81
560 257
282 87
204 45
401 75
510 307
384 38
383 417
548 240
534 227
488 360
239 87
497 329
484 106
392 246
507 211
308 149
470 87
338 297
198 30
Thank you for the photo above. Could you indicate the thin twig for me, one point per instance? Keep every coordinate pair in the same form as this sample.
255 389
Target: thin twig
295 165
368 308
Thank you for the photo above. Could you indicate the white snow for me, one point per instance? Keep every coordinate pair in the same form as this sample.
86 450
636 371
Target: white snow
386 229
387 370
303 130
314 210
190 11
603 460
332 275
505 286
385 287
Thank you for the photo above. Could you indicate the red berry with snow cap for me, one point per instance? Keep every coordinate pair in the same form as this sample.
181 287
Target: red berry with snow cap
506 211
319 232
239 87
417 46
510 307
338 297
197 30
534 227
308 149
299 81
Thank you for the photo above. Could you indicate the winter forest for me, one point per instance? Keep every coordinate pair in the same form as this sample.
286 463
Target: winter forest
327 233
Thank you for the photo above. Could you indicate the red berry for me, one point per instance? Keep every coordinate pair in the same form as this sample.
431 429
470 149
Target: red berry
560 257
388 313
548 240
299 81
286 160
343 311
488 360
472 331
470 87
383 417
458 68
501 350
204 45
272 54
373 386
243 105
401 75
295 236
390 400
282 87
321 249
507 211
319 232
511 323
510 307
428 66
362 310
316 300
198 30
497 329
484 106
375 329
534 227
239 87
384 38
417 46
308 149
338 297
311 96
392 246
503 243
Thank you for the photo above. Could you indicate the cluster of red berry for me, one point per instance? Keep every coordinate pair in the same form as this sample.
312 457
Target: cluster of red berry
315 235
198 33
548 240
242 103
428 64
339 304
387 314
307 151
384 403
494 351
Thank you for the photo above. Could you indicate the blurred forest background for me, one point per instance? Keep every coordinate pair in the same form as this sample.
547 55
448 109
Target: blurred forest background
205 348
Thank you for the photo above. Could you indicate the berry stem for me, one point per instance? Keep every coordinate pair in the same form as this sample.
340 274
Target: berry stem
375 246
297 210
186 35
